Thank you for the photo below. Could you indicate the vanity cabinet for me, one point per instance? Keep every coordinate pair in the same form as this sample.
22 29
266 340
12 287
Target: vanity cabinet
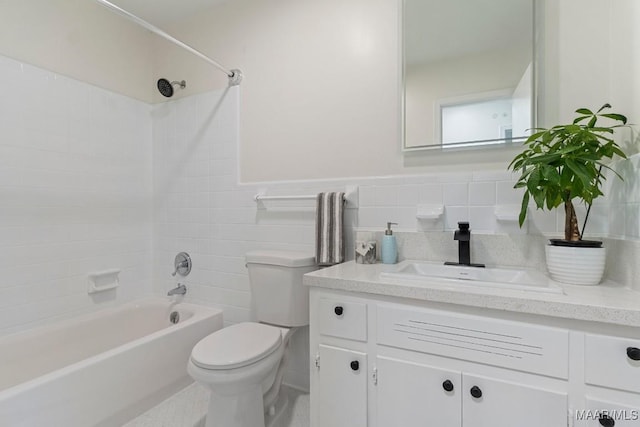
384 362
415 395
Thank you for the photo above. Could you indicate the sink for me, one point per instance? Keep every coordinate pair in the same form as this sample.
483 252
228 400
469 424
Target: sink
503 278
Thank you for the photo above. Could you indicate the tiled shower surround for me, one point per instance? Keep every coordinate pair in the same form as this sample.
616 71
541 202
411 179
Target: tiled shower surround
75 195
92 180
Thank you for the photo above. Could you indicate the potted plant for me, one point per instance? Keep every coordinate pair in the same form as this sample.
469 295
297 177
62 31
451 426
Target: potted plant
559 166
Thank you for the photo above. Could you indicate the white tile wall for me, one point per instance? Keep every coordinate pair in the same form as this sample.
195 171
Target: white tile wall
474 197
75 183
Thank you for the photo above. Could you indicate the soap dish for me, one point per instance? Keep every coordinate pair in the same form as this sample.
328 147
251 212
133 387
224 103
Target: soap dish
429 212
507 213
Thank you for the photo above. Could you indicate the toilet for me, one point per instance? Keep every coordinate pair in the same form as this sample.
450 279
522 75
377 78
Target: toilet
242 364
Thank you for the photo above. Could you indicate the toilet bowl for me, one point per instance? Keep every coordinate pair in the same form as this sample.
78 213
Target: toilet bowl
239 366
242 365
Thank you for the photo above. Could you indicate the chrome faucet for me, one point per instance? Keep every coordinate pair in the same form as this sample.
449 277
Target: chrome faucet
178 290
463 236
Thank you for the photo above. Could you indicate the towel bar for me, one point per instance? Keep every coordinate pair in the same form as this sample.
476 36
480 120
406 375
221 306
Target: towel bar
351 195
259 197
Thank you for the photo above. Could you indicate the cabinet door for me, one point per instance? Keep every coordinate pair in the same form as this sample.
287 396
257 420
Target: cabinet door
488 402
342 381
415 395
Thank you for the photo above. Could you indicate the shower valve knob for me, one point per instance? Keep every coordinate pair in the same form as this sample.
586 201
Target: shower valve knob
182 264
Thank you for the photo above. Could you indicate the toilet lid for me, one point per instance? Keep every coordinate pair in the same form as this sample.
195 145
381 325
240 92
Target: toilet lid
236 346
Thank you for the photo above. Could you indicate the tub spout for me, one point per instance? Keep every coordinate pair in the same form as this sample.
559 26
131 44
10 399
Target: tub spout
178 290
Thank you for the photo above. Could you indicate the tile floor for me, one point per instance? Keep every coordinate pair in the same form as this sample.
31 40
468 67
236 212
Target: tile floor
188 408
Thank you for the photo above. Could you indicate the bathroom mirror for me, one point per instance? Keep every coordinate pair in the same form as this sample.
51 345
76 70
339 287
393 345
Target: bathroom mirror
468 72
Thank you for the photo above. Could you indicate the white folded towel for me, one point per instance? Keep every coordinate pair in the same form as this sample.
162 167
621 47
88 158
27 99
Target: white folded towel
329 228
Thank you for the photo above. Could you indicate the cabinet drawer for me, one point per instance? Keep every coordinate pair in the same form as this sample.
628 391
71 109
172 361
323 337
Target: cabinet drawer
342 319
515 345
608 364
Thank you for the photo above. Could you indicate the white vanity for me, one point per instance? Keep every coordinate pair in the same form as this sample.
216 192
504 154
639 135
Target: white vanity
387 352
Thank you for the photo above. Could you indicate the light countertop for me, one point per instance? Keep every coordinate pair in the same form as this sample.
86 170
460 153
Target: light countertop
608 302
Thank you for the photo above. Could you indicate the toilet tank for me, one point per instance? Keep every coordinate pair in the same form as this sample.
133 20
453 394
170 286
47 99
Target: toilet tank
278 295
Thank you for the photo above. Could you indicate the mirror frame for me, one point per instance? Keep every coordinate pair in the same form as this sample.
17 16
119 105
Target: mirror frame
536 56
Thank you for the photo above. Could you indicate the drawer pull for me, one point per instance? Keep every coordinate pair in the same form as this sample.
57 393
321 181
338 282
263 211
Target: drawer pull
633 353
447 385
355 365
606 421
338 310
476 392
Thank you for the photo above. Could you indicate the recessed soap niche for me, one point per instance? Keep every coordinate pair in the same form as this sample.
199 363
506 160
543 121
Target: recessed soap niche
100 281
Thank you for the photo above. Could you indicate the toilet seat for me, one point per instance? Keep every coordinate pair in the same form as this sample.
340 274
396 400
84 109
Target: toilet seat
236 346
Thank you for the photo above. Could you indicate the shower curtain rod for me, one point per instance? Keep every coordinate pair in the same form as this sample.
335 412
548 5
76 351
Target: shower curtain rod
235 76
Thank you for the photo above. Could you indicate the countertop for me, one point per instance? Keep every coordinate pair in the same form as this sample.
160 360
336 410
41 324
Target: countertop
608 302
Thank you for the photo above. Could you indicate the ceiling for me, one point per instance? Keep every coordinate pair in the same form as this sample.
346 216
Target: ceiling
165 12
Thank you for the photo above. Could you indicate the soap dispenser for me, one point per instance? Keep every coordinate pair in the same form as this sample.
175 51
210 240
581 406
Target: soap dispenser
389 246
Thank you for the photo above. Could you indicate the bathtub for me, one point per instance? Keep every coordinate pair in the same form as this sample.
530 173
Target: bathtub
100 369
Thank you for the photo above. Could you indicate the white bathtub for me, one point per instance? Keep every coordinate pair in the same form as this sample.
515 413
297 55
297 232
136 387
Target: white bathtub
99 369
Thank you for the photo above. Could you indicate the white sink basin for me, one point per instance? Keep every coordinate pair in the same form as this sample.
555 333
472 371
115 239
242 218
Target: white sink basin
505 278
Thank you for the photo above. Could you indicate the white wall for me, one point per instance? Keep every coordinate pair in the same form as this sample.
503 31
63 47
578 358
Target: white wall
321 83
309 95
75 184
82 40
591 57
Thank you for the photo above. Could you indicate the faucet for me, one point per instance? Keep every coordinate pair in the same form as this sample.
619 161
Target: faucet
463 236
178 290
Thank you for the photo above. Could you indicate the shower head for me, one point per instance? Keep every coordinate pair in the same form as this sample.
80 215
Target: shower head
166 87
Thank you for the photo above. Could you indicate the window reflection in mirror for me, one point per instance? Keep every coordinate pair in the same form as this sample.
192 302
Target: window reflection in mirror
468 72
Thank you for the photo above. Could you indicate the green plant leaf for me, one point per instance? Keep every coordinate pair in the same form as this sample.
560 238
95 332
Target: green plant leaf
618 117
580 171
523 209
539 197
619 152
551 174
584 111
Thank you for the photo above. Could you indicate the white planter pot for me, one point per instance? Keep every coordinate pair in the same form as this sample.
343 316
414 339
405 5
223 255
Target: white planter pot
576 266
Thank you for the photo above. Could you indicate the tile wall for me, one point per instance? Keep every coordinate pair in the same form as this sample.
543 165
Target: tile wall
75 185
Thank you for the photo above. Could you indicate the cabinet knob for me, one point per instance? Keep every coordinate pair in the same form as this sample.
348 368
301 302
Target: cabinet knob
355 365
476 392
633 353
338 310
447 385
606 421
